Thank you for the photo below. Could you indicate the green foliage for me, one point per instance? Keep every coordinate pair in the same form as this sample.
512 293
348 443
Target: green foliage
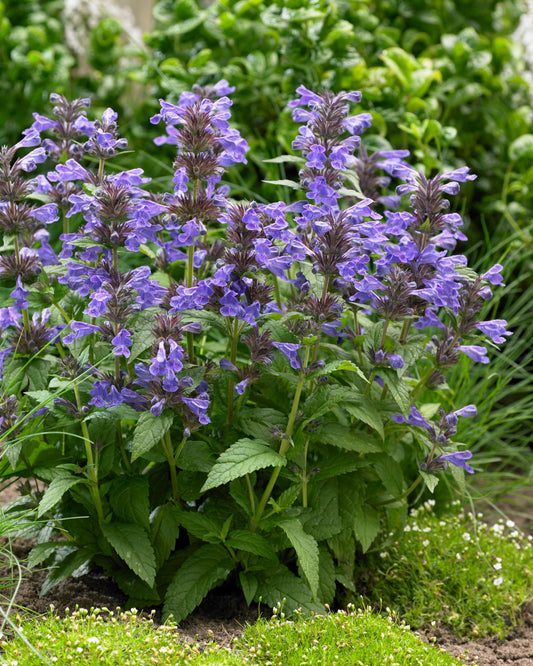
457 570
438 79
113 637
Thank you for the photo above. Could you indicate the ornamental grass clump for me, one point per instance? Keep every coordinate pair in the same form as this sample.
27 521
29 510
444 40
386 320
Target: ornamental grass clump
211 391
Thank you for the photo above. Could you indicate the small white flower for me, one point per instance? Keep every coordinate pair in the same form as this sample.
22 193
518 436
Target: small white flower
498 581
164 649
425 543
457 556
510 523
383 554
79 649
498 565
466 536
427 529
407 528
93 639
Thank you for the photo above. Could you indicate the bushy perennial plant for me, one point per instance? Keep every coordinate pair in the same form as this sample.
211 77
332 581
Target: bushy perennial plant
210 390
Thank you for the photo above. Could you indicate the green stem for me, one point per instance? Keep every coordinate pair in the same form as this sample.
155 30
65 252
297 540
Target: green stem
121 447
92 470
250 493
285 442
101 165
304 475
405 494
235 332
167 448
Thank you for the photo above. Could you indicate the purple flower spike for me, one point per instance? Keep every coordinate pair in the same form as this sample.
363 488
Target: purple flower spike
415 418
494 329
475 352
458 459
290 351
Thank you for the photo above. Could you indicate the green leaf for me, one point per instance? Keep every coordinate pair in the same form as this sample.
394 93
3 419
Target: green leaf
345 437
390 472
67 561
306 549
251 542
430 481
142 323
129 500
41 551
164 530
55 492
521 148
199 525
327 586
257 422
243 457
149 431
397 388
281 159
279 585
284 183
133 545
333 366
249 585
364 410
196 456
37 374
323 520
200 573
366 525
341 463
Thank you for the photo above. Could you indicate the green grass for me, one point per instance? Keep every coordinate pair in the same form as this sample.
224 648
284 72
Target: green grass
456 570
103 637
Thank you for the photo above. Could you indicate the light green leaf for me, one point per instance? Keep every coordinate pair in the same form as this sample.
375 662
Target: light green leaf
199 525
306 549
281 159
333 366
284 183
243 457
327 586
521 148
133 545
366 525
68 559
201 572
55 492
149 431
430 481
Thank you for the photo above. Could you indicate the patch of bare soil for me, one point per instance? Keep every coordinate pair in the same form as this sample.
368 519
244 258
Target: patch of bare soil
223 617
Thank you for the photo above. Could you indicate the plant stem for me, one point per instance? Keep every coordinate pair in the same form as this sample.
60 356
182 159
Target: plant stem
167 448
304 475
92 470
285 442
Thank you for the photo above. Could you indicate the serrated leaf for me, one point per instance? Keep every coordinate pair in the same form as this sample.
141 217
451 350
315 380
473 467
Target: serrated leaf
430 481
201 572
251 542
142 323
129 500
199 525
196 456
55 492
41 551
279 585
341 463
306 549
345 437
149 431
397 388
323 521
133 545
366 525
390 472
243 457
365 411
332 366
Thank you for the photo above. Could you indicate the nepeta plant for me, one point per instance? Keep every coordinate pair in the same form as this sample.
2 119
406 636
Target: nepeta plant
223 390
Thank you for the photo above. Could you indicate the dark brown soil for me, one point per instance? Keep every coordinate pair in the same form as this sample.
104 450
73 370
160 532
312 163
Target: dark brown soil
222 618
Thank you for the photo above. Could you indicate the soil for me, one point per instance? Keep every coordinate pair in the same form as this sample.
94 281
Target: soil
222 618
